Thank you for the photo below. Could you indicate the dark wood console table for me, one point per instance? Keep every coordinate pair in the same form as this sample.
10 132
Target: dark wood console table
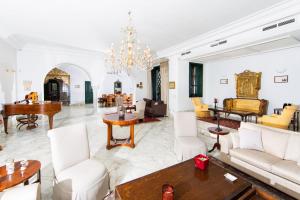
243 114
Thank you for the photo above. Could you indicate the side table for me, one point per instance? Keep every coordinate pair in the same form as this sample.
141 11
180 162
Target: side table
218 132
7 181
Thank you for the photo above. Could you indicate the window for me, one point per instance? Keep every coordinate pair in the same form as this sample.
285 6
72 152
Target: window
195 80
156 83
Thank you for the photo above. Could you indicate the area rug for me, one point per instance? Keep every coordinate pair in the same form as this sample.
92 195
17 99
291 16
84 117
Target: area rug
229 123
150 119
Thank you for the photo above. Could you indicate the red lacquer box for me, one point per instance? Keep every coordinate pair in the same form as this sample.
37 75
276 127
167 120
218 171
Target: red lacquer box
201 161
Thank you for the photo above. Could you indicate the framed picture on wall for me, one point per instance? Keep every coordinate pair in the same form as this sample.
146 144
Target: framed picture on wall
281 79
172 85
224 81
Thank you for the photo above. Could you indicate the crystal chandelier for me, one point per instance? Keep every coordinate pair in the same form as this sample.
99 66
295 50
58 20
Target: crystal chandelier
130 56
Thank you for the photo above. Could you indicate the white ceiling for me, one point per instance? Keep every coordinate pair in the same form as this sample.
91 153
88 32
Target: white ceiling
95 24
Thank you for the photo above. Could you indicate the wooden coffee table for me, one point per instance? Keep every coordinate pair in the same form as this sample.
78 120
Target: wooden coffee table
7 181
188 182
113 119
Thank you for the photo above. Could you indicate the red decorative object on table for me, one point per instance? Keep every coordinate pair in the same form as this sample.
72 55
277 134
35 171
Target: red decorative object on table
201 161
167 192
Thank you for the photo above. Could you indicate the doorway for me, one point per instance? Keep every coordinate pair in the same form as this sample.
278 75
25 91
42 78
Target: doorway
88 92
52 90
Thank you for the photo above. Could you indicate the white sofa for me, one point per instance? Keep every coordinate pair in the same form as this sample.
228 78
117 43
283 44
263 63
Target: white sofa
278 161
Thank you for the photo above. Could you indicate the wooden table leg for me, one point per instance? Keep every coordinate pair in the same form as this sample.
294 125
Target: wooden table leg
50 117
5 119
109 135
216 145
132 145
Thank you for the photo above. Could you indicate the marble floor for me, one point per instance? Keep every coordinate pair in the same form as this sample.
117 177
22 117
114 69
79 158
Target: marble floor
153 151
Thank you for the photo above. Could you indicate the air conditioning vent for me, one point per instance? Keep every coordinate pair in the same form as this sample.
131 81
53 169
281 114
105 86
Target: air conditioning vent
185 53
286 22
218 43
223 42
269 27
279 24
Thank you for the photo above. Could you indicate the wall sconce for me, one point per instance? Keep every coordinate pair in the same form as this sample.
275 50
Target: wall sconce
140 85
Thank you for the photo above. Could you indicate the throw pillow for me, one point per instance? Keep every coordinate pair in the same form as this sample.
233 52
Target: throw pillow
293 148
250 139
274 142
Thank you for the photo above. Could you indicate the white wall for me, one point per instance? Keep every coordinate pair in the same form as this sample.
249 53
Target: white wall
108 83
283 62
35 63
179 97
8 59
128 84
77 83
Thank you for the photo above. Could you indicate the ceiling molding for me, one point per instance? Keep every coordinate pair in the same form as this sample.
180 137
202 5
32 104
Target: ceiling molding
278 11
62 50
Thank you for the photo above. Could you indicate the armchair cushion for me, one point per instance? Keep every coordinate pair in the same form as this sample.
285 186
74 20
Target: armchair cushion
28 192
65 153
85 180
185 124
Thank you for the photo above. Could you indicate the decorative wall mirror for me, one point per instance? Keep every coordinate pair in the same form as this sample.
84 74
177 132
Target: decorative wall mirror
248 84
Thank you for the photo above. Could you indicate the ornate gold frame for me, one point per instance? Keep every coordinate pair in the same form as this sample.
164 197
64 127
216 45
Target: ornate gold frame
248 84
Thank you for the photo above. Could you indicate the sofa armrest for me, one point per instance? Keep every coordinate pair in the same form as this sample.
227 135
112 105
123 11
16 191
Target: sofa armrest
226 143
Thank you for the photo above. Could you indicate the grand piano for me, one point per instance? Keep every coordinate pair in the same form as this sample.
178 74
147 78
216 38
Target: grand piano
45 108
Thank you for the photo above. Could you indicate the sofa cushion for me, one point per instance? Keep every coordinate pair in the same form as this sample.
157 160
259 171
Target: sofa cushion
250 139
274 142
287 169
293 148
246 105
259 159
250 126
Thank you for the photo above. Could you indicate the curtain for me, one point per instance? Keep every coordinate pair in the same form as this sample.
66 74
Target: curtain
164 72
149 85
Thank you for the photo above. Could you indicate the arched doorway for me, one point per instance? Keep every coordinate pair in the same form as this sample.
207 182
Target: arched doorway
73 84
57 86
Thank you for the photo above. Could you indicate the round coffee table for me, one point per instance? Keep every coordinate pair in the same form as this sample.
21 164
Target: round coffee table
218 132
7 181
113 119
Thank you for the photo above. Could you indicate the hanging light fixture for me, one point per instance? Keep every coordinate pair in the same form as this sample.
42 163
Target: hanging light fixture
130 56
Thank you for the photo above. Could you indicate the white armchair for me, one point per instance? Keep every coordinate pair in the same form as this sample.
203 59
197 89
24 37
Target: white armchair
77 177
187 144
28 192
140 109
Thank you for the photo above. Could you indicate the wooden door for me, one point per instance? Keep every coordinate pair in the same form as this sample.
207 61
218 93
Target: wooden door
88 92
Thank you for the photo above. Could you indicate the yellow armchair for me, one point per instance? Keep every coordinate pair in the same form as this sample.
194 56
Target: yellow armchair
201 109
279 121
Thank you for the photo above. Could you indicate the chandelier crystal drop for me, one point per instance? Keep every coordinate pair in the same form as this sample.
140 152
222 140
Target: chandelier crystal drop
130 55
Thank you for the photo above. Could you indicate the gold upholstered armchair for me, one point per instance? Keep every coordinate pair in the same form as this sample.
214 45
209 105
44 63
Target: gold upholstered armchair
279 121
201 109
